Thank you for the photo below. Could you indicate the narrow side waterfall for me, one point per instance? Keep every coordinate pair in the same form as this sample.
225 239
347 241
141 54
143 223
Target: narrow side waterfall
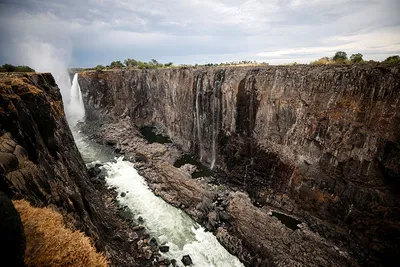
216 113
198 122
75 109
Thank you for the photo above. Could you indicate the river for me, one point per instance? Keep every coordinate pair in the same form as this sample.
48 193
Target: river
169 225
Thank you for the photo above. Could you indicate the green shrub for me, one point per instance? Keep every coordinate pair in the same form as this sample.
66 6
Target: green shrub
356 58
340 56
12 68
130 63
116 65
392 59
99 68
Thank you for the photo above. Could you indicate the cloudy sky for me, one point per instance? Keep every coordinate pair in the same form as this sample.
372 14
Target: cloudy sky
86 33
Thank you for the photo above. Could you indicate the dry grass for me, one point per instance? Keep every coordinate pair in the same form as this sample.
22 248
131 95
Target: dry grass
50 243
322 61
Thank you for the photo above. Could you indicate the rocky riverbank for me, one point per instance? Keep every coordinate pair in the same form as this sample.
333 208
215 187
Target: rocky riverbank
245 229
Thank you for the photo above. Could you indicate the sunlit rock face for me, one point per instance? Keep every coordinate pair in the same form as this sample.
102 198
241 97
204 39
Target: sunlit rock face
326 136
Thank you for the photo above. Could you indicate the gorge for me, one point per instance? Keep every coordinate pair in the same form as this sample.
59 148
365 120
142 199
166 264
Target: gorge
283 165
317 142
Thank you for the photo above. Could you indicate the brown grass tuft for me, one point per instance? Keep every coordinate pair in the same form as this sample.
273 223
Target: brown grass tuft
50 243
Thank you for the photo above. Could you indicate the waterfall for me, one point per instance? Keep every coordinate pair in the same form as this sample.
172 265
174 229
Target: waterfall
252 114
198 87
75 109
216 113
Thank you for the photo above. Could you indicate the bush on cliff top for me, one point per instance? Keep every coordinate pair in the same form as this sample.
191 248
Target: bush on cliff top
393 60
12 68
50 243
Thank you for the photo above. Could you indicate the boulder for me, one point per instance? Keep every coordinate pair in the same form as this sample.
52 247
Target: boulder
164 249
94 171
186 260
153 243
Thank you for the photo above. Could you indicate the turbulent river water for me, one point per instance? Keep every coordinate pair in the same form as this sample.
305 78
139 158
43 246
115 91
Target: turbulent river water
169 225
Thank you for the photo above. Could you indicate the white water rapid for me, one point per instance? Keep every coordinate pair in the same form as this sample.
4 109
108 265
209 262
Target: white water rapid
169 225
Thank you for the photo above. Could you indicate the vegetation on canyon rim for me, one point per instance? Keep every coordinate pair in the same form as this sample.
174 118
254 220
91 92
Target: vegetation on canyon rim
340 57
12 68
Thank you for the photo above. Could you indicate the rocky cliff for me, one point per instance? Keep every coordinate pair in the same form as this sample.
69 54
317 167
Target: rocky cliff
40 162
317 140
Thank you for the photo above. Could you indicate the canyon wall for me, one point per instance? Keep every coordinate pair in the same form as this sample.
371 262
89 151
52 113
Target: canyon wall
326 136
40 162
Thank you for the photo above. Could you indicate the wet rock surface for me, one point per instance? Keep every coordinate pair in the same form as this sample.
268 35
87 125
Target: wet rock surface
319 143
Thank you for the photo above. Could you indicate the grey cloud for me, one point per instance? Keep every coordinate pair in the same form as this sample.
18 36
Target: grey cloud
98 31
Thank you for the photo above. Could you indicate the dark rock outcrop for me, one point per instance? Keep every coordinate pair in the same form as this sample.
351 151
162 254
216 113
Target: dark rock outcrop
319 140
12 237
186 260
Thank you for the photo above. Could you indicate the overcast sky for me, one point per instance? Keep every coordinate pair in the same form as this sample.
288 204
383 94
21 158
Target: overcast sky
87 33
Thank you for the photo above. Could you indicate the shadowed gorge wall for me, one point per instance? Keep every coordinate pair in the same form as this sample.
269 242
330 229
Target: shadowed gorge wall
327 136
39 162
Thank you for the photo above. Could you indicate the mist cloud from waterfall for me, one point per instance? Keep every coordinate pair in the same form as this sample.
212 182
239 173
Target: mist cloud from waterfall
279 31
32 39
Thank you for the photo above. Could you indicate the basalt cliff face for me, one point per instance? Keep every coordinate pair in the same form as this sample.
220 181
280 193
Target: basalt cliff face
40 162
320 141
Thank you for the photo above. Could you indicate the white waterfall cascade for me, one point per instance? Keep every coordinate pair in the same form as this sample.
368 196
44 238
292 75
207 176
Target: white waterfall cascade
75 109
198 87
216 111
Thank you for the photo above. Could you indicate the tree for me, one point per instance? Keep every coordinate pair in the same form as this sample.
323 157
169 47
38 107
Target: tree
392 59
131 63
356 58
99 67
154 62
12 68
116 64
169 64
8 67
340 56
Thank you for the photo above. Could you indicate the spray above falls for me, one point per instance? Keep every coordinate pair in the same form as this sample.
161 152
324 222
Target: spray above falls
75 108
